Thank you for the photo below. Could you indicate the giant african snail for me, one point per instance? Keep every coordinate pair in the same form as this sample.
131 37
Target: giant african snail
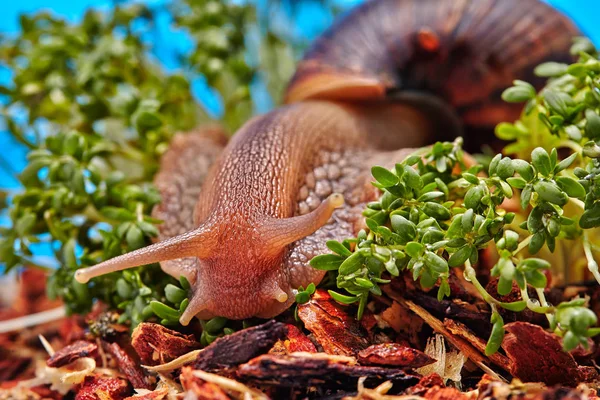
242 219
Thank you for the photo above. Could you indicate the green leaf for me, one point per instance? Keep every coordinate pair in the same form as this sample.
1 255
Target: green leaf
496 336
430 196
566 163
526 196
163 311
570 341
505 168
404 228
460 256
518 94
536 243
524 169
536 279
494 164
557 101
507 131
435 262
506 189
517 182
570 186
351 264
185 284
365 283
550 69
467 220
116 213
340 298
68 252
590 217
443 290
573 132
135 238
326 262
541 161
414 249
550 192
474 196
338 248
436 211
215 325
592 127
25 224
412 178
385 177
174 294
124 289
302 297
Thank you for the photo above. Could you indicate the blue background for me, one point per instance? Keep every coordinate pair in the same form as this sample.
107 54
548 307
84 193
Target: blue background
309 17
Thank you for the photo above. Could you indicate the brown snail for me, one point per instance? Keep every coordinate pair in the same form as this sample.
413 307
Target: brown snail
242 219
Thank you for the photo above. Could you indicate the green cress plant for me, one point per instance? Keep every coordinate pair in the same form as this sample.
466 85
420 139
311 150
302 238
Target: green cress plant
436 213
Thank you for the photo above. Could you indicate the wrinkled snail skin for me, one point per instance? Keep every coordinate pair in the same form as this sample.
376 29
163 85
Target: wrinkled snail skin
243 218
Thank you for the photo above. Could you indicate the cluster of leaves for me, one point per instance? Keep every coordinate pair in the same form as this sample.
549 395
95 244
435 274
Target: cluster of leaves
96 114
436 212
237 47
218 29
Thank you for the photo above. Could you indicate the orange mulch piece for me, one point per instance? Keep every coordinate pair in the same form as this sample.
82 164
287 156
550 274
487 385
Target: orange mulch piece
427 382
334 329
98 388
537 356
156 344
394 354
72 352
431 387
200 388
298 341
158 394
130 368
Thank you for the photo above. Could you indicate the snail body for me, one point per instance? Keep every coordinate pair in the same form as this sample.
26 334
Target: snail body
243 218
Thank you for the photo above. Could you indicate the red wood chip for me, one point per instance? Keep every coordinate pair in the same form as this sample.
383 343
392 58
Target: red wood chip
394 354
336 331
200 388
96 388
130 368
537 356
156 344
158 394
72 352
298 341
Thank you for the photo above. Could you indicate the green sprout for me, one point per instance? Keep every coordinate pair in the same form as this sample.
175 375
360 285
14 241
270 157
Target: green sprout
436 213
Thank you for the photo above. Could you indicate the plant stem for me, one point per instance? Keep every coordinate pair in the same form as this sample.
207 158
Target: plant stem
471 276
522 245
591 262
533 306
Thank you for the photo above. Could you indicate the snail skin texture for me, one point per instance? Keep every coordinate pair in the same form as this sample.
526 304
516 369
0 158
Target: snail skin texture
242 218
